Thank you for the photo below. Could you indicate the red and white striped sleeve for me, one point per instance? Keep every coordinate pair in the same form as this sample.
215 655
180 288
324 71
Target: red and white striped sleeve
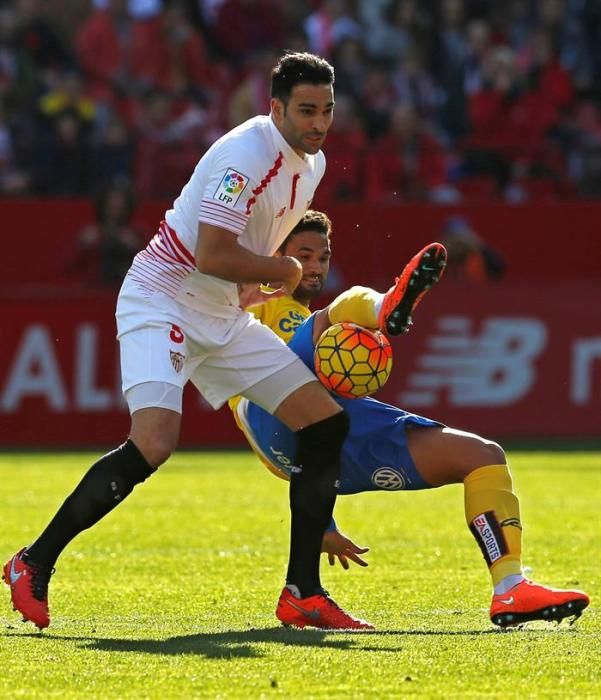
229 187
214 213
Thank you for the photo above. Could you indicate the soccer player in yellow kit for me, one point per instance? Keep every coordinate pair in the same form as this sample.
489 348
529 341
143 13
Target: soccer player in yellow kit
418 452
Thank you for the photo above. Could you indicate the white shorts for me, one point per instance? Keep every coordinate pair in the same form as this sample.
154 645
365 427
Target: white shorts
164 341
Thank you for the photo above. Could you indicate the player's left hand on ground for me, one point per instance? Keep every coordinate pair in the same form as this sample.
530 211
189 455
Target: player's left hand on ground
338 546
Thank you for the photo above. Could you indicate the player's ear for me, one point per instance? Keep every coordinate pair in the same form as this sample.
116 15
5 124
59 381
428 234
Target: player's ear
277 109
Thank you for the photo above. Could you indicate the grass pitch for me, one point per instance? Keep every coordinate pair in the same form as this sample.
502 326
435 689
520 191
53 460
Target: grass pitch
172 595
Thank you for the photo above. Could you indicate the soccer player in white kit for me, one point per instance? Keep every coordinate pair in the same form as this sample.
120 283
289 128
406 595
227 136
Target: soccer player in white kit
179 319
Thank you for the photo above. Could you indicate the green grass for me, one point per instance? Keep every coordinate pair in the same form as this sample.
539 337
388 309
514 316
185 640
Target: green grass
172 595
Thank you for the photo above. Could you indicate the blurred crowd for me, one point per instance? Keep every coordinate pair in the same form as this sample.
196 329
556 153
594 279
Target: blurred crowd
436 100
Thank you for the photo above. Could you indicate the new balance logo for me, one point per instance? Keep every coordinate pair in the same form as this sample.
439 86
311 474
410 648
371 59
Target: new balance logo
490 366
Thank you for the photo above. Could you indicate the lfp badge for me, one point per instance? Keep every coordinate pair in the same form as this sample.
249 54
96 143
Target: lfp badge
231 187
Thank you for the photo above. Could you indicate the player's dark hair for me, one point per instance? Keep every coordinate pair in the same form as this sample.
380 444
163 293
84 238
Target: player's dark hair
295 68
311 221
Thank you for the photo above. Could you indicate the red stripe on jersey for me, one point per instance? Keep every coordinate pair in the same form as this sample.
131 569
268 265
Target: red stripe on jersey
179 245
230 215
161 242
293 195
265 181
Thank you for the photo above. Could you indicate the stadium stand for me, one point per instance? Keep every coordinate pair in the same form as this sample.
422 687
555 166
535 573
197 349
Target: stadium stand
503 91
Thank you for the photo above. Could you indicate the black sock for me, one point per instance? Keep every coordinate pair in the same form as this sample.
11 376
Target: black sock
312 498
105 485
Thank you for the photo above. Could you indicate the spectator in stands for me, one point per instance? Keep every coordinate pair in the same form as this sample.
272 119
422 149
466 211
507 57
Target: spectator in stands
68 96
179 53
18 78
400 28
13 180
351 64
478 44
243 27
63 167
377 100
329 24
448 60
406 163
546 76
106 248
498 83
504 124
469 257
66 119
171 133
38 36
415 86
113 151
117 53
251 97
345 152
102 44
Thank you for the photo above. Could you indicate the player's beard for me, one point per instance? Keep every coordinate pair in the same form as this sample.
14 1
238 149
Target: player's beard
306 294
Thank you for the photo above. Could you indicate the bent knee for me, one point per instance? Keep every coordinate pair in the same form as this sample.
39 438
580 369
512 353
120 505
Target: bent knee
484 453
156 449
494 452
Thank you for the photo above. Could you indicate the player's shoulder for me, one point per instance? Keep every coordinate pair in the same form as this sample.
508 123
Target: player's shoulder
246 145
318 165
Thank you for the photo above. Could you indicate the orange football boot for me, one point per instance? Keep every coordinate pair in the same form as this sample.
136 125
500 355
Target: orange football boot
316 611
530 601
420 274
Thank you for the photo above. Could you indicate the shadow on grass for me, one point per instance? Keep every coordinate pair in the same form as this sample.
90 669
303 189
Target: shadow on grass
242 643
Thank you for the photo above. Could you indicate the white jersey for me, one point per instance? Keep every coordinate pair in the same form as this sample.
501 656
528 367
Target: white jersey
250 182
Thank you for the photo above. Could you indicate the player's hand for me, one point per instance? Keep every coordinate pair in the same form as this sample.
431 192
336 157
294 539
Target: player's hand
338 546
251 293
292 273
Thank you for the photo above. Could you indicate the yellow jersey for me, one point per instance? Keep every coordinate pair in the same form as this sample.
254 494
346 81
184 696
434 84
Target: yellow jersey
283 315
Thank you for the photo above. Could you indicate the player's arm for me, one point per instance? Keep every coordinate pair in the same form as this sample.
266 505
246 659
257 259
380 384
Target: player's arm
218 253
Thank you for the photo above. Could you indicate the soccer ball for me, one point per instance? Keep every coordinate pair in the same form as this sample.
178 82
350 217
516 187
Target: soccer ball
352 361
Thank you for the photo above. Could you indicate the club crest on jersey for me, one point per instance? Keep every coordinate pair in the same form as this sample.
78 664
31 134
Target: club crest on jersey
231 187
177 360
389 479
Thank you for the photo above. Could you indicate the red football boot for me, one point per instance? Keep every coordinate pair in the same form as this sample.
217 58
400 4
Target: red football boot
530 601
28 588
420 274
316 611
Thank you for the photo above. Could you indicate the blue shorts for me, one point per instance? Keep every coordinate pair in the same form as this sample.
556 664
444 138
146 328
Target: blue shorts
375 456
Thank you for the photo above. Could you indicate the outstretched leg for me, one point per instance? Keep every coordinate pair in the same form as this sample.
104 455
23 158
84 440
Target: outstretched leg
492 511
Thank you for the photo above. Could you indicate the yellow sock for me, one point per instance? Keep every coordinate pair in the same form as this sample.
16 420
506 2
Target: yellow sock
492 512
358 305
